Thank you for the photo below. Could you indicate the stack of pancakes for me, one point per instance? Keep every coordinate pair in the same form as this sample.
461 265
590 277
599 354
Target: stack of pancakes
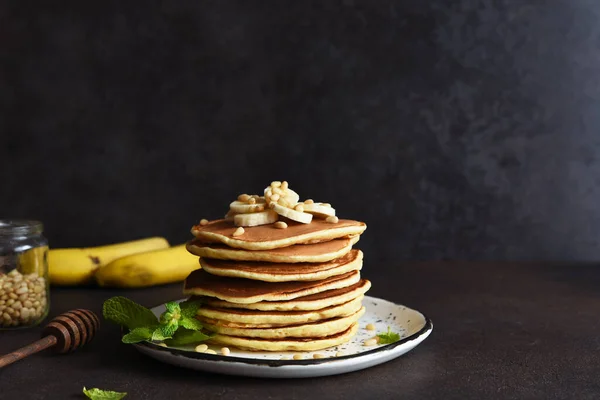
269 289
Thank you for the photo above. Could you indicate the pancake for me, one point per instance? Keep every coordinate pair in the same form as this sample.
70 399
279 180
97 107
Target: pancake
287 344
311 302
312 330
282 272
266 237
236 290
317 252
240 318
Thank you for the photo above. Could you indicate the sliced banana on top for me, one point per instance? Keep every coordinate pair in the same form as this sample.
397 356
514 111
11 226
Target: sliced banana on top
229 216
319 210
255 219
285 197
294 215
241 207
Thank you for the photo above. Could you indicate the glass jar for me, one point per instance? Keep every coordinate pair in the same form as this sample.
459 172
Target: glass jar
24 283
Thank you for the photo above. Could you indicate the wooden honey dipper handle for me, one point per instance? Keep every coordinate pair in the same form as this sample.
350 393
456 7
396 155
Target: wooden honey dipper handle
65 333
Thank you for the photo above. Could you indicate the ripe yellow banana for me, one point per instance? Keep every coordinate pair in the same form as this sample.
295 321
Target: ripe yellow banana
76 266
148 269
32 260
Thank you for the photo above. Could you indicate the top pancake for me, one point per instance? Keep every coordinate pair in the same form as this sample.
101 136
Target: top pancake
265 237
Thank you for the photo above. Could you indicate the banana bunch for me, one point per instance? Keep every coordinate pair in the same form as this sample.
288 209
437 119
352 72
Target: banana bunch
137 263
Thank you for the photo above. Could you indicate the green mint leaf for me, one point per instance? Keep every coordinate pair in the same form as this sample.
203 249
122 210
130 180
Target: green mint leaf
186 336
169 330
388 337
172 307
190 323
125 312
189 308
158 335
98 394
138 335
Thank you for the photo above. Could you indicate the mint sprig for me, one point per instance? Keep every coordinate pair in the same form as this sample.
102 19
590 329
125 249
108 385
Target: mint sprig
99 394
177 325
128 313
388 337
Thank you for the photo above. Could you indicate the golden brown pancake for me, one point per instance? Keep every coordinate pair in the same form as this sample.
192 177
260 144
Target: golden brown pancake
317 252
313 329
311 302
236 290
284 272
287 344
240 318
265 237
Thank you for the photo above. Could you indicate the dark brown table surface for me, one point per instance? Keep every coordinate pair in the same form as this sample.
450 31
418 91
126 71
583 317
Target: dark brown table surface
501 330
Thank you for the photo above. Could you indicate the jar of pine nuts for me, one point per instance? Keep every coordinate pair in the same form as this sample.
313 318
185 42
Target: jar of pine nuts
24 284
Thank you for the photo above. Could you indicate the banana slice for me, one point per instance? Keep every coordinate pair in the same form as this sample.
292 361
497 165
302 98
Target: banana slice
229 216
291 197
287 197
241 207
294 215
319 210
255 219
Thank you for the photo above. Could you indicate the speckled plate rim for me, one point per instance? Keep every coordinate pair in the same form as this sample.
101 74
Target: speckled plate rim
419 336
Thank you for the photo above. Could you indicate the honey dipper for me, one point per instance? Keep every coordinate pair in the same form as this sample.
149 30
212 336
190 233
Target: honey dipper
65 333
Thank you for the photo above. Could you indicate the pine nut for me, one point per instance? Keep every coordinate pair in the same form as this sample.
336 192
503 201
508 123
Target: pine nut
251 200
243 197
283 202
239 231
203 222
370 327
309 201
225 351
201 348
22 290
280 225
299 207
326 204
209 351
317 355
275 184
370 342
275 197
298 357
284 185
24 314
332 219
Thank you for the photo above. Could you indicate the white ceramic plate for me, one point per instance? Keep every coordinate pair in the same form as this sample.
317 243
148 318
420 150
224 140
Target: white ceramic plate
412 326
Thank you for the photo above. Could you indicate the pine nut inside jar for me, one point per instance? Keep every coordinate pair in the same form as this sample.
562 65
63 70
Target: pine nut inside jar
24 285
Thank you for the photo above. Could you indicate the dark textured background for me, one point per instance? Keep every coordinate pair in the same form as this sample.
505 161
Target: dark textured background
455 129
